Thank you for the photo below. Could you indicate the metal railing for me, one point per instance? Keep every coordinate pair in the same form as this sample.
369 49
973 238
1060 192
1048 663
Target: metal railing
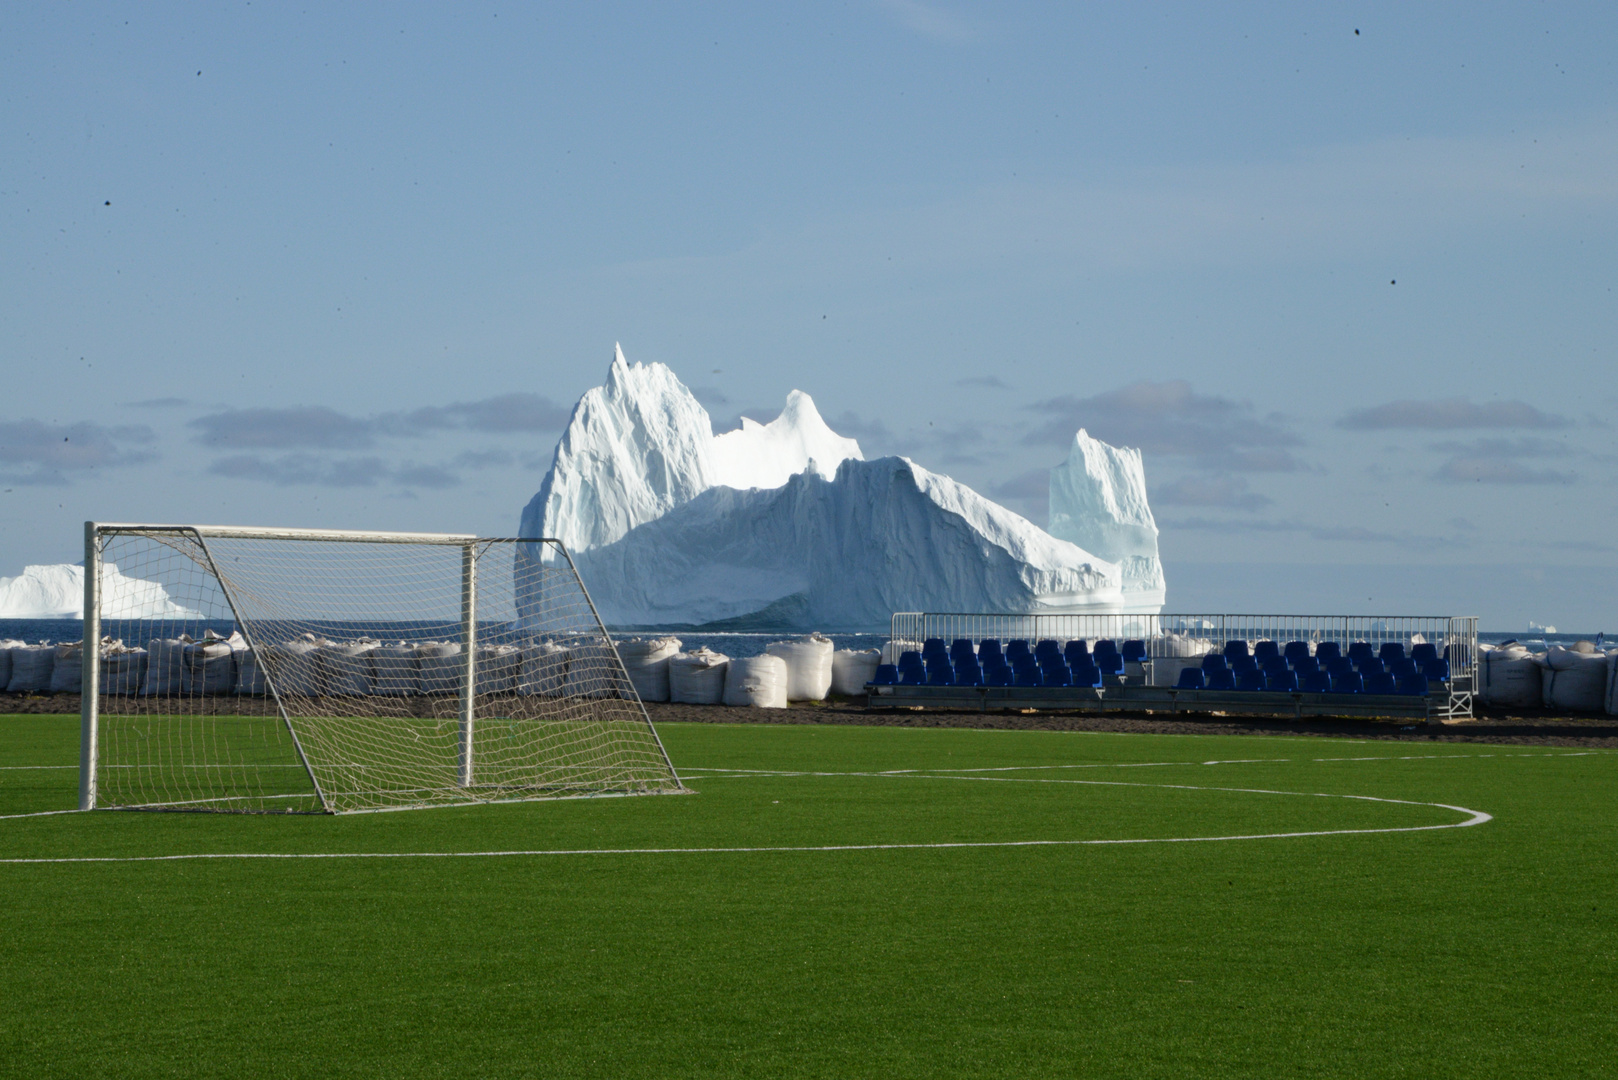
1188 635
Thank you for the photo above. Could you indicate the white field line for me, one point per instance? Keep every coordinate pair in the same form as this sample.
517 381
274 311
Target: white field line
1474 817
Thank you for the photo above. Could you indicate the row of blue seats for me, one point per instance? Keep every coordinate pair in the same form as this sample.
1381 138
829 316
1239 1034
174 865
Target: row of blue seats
1285 680
1268 666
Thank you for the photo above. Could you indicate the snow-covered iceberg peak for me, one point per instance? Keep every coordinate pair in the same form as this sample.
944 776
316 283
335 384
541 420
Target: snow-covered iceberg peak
1098 501
640 445
57 592
768 455
635 448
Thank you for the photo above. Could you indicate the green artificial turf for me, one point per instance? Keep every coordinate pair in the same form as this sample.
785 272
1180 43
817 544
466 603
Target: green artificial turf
1480 951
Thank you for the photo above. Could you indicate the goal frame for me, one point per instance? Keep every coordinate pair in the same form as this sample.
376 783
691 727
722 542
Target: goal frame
90 679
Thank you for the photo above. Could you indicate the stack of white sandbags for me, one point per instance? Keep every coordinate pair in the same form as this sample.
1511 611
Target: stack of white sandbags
808 660
698 677
398 669
851 669
441 666
1575 678
210 666
544 669
1509 676
647 663
5 659
123 670
31 667
760 681
497 668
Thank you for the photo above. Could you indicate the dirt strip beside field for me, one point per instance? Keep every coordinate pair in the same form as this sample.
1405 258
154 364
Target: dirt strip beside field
1538 728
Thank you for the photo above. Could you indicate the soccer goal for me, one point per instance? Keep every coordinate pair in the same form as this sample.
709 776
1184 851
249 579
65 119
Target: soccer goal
302 670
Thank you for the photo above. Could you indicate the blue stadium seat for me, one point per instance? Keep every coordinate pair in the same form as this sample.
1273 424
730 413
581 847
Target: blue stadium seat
1190 679
910 659
1222 679
1047 647
1017 647
1423 653
1274 665
1403 668
1133 651
1360 650
1107 646
1283 681
968 674
940 674
1415 685
1028 676
1391 651
997 676
1108 663
933 646
1295 651
914 676
1233 649
1213 662
1327 651
1317 682
1086 675
1339 667
1265 649
1243 663
1381 683
1250 680
1054 675
988 647
1350 682
1305 666
886 675
961 647
1437 670
1075 651
1370 665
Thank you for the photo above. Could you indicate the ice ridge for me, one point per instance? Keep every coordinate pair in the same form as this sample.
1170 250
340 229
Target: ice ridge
57 592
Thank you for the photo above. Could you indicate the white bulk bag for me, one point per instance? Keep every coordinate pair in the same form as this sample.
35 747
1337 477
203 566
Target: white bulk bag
892 649
5 659
1509 677
497 668
543 670
647 664
31 668
851 669
209 666
698 678
592 670
67 668
760 681
122 670
348 667
1612 682
249 674
398 669
1574 679
165 665
808 661
295 665
442 668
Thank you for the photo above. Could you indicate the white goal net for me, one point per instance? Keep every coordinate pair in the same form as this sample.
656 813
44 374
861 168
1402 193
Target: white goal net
282 670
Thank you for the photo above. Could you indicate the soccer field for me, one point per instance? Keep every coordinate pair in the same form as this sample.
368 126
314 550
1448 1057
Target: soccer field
841 901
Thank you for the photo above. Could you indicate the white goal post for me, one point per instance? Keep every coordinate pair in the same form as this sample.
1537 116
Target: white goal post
308 670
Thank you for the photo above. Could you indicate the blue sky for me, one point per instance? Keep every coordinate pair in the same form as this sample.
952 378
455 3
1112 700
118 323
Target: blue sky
1352 293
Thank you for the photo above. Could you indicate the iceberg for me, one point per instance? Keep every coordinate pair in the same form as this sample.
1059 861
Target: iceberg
57 592
880 536
641 444
786 523
1098 501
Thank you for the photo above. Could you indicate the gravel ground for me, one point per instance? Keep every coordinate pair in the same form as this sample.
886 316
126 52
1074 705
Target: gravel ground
1539 728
